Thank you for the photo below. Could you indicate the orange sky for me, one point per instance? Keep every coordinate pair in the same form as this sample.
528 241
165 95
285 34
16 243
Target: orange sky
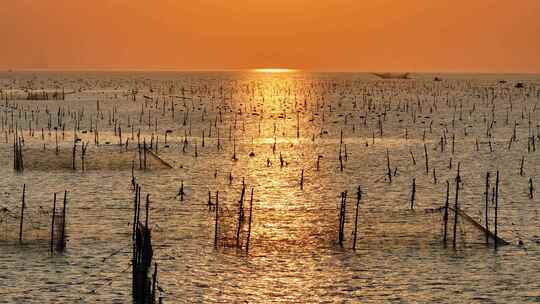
330 35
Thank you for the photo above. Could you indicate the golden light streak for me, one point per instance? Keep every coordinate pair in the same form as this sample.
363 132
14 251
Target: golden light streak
273 70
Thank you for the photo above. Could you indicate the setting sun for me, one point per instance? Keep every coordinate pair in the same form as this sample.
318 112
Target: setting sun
274 70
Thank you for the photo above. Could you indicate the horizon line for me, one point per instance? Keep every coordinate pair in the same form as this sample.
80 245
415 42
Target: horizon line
259 70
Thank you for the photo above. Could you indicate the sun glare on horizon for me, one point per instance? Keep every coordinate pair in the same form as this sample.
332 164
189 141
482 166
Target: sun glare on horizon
273 70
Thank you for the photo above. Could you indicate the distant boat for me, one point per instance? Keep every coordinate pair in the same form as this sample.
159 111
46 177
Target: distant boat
392 75
10 71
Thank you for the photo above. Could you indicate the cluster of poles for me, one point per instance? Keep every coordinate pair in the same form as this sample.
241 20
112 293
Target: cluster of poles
144 286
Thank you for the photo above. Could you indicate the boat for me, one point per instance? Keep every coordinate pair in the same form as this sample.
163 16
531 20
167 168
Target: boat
392 75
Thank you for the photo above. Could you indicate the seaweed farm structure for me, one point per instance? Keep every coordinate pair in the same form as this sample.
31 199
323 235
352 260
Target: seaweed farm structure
265 187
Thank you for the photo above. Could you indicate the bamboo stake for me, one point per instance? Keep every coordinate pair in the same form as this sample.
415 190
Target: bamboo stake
250 219
445 237
486 208
52 224
216 220
496 208
22 214
358 198
458 180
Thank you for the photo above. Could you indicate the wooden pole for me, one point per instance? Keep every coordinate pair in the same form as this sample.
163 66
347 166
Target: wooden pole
388 166
358 198
52 224
181 192
458 180
496 209
240 215
445 237
487 208
22 214
147 209
62 243
216 220
135 207
413 194
302 180
340 219
250 219
427 160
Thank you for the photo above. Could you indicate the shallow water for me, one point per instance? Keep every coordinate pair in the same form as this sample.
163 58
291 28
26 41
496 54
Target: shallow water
293 254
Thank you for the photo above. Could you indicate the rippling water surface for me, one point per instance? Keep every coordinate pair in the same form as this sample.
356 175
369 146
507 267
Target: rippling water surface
304 118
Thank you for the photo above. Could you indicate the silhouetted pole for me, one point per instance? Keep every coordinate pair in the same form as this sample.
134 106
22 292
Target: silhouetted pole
487 206
358 198
22 214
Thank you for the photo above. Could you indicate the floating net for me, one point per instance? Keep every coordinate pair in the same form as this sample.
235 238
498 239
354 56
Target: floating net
417 228
36 225
380 230
96 158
